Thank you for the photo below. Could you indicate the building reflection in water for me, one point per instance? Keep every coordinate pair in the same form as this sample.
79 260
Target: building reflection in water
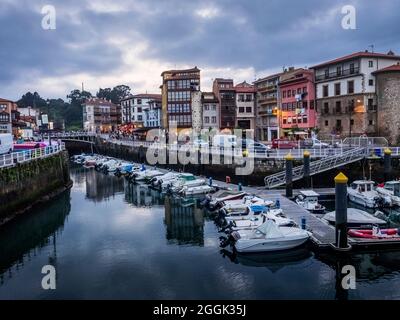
101 187
369 266
25 237
141 195
184 221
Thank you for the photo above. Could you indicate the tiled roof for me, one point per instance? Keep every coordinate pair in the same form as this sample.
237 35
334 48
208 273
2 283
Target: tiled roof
99 102
392 68
361 54
6 100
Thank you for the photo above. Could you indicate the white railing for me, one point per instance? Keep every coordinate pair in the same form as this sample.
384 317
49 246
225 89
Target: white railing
11 159
318 166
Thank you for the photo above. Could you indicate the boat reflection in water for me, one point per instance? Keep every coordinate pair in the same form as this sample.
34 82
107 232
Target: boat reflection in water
273 261
25 236
184 221
101 187
141 195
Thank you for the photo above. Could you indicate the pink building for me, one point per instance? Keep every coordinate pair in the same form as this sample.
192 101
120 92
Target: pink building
297 102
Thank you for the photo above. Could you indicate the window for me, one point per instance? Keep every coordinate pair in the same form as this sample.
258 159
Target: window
351 68
338 123
284 120
305 120
249 109
248 97
241 109
352 122
326 123
339 70
312 105
206 107
298 90
284 106
370 64
289 93
371 104
139 109
350 87
326 73
139 101
326 107
284 94
140 118
241 97
371 122
371 82
338 107
214 119
207 119
304 89
337 89
293 92
325 91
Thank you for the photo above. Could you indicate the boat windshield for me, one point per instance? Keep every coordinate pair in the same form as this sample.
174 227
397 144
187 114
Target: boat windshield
270 229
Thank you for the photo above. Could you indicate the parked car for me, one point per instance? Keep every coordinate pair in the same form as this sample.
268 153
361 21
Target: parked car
258 147
313 143
224 140
284 144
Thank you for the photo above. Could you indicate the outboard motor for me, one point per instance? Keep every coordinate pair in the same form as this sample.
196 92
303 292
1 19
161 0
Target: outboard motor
230 240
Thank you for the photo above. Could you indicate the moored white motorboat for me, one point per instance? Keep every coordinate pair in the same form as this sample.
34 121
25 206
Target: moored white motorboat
269 237
363 193
167 177
146 175
184 179
225 195
256 221
390 189
308 199
356 217
190 191
242 204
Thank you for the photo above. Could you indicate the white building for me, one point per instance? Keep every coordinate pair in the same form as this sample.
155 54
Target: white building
245 106
210 105
133 108
346 93
152 115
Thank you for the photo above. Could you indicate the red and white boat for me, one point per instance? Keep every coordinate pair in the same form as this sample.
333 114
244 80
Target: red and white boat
375 233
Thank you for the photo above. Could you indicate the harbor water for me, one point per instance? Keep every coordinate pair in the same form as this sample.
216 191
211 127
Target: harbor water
111 239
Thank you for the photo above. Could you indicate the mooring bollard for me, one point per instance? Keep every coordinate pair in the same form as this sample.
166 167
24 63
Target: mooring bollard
210 181
341 211
239 186
277 204
306 172
289 175
387 158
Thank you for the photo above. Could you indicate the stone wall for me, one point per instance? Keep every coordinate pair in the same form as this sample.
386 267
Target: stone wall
388 91
26 184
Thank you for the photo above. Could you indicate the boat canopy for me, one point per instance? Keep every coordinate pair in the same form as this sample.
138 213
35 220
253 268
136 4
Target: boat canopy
270 229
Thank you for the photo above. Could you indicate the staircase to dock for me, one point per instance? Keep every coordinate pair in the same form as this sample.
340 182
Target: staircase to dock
325 164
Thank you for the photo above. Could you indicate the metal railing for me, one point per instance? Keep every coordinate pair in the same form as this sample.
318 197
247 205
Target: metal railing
318 166
11 159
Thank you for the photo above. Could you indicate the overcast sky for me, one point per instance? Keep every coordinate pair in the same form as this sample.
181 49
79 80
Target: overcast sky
106 43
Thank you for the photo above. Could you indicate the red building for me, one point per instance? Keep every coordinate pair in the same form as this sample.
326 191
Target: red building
297 102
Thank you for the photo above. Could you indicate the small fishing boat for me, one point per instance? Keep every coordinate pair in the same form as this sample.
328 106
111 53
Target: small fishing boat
159 180
363 193
184 179
256 221
375 233
242 204
190 191
308 199
356 217
146 175
225 195
269 237
390 189
251 211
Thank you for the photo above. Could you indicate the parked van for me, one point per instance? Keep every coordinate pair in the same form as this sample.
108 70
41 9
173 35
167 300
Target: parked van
224 140
6 143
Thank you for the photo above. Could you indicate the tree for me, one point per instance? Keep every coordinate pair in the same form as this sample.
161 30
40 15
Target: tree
33 100
115 94
73 112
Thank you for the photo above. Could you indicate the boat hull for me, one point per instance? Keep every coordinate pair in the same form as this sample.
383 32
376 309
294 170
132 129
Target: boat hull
268 245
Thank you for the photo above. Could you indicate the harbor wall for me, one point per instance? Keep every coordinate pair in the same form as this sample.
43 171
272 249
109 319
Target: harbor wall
354 171
27 184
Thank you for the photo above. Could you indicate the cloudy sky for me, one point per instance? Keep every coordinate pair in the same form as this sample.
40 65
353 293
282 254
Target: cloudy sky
106 43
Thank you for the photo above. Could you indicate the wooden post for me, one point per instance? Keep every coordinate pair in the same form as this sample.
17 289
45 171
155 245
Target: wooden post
306 172
289 175
341 211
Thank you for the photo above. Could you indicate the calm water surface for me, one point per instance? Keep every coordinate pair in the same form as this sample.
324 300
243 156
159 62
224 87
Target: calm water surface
108 239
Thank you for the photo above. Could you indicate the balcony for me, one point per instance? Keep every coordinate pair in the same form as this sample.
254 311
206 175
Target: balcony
267 112
267 99
335 74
